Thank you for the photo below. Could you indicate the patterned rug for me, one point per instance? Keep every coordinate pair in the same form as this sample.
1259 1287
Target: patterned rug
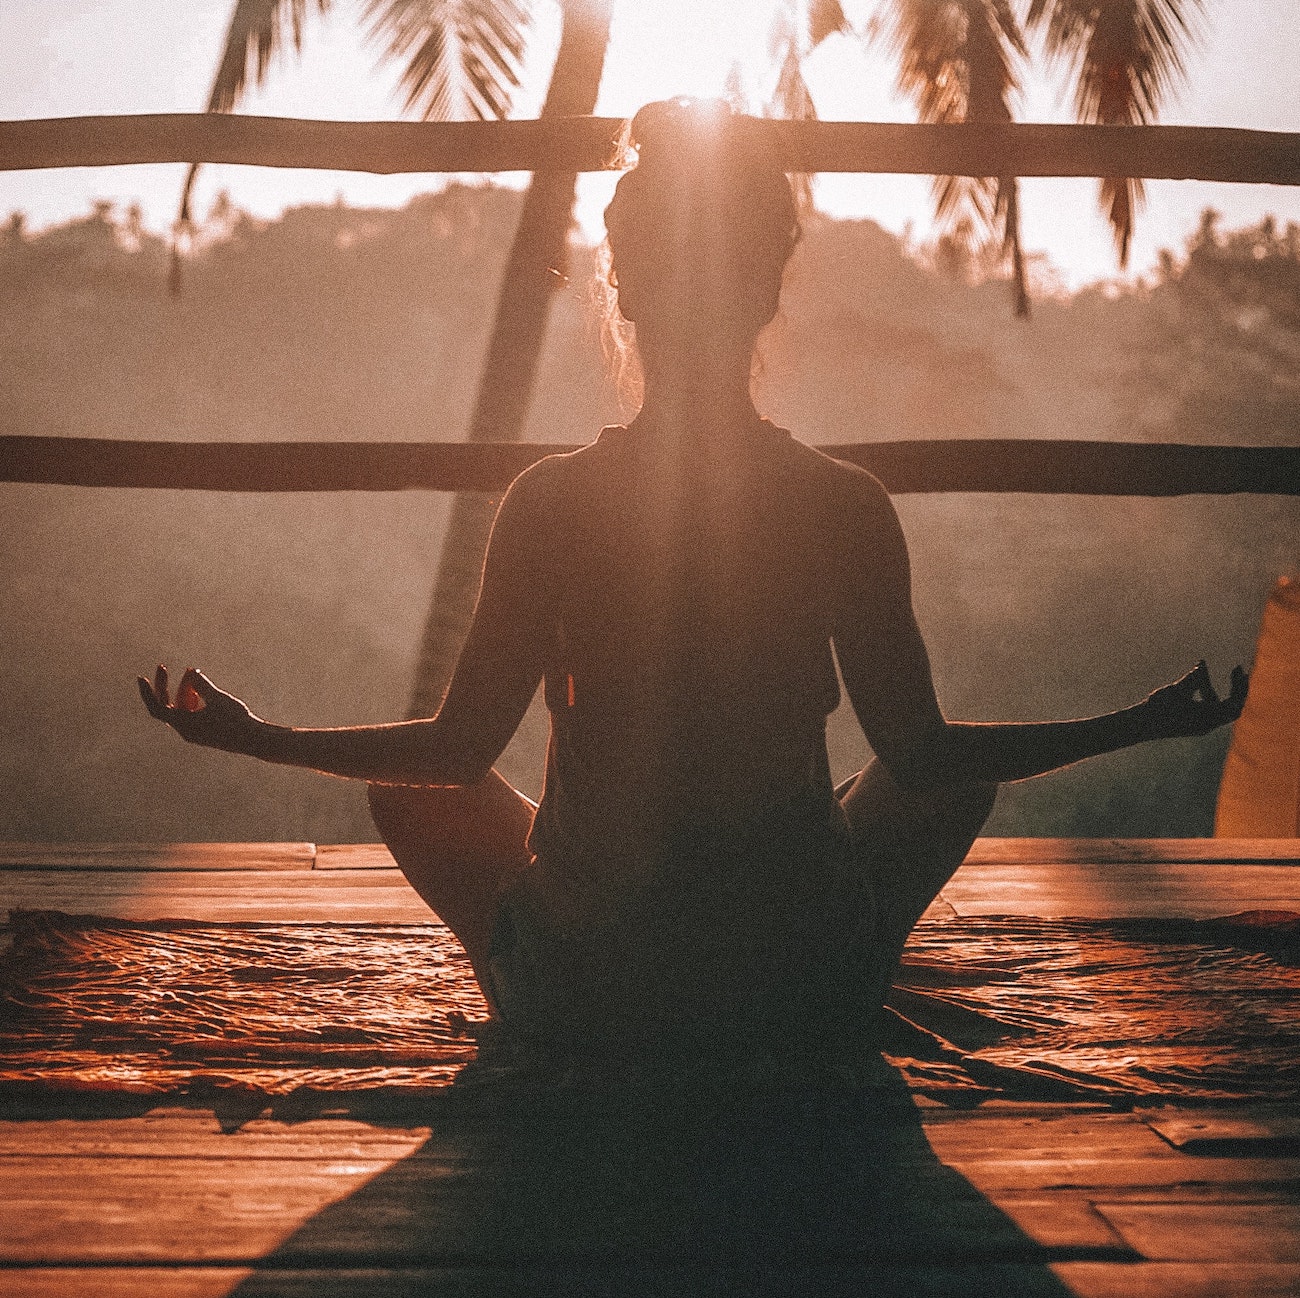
1012 1008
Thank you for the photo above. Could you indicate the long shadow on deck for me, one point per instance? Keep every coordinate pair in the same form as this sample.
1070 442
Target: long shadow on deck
797 1196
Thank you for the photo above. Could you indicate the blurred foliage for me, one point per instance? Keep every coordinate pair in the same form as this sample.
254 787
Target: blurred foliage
1227 327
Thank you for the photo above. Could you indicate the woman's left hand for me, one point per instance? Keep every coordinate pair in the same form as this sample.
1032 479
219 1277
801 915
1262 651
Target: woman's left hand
1190 705
201 713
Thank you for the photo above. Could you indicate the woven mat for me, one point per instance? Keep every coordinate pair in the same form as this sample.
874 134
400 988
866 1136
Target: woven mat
1016 1008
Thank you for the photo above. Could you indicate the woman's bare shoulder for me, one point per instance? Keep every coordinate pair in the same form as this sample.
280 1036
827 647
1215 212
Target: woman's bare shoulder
555 473
843 486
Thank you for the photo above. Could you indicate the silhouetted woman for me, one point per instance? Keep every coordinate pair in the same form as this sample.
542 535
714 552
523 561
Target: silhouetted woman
683 587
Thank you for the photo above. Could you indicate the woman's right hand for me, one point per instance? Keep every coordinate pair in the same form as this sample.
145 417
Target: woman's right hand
201 713
1190 706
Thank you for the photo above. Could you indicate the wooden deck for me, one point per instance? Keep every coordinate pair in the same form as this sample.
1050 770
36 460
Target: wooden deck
913 1199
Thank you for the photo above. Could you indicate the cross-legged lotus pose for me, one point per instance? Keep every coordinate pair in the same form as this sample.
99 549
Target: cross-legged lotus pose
690 880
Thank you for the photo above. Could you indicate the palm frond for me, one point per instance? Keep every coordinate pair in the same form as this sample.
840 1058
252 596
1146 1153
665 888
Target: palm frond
791 97
1125 56
797 29
463 57
958 61
256 33
825 18
958 58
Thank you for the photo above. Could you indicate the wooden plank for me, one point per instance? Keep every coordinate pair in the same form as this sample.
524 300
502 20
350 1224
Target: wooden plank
931 465
1122 890
1088 851
991 1175
354 856
84 1210
1179 1279
511 1207
1083 1279
282 897
1212 1193
369 856
1063 1222
145 1282
157 856
1207 1130
1091 1135
373 894
178 1132
154 1210
195 1133
1214 1232
381 148
589 144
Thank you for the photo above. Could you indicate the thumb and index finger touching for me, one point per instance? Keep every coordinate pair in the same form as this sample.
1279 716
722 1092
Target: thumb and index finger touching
192 693
1201 687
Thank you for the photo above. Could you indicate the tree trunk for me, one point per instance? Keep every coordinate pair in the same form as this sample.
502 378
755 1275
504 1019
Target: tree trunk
535 268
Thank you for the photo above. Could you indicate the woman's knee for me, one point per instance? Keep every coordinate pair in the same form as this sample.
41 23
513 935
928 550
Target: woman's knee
488 820
874 790
976 800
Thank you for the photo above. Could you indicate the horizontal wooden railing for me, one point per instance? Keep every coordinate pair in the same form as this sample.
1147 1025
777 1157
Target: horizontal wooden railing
588 144
981 465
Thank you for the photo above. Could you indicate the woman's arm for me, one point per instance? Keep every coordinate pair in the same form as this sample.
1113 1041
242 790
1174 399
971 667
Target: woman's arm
886 670
495 679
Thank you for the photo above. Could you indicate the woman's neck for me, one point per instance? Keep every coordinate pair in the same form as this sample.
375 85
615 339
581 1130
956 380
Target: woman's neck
693 396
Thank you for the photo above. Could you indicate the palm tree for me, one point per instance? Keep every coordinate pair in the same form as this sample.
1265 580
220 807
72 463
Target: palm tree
958 61
534 269
961 61
463 58
798 28
1124 57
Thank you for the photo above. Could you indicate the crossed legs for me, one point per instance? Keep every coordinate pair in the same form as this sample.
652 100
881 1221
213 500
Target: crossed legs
461 848
909 844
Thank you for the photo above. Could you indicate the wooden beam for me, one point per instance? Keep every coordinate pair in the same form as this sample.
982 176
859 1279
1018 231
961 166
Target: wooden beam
588 144
168 857
978 465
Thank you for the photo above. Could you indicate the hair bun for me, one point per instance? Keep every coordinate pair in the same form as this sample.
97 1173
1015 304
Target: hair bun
671 128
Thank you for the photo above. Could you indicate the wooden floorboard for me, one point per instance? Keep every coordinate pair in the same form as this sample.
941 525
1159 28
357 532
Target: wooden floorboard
1041 1200
158 856
1262 1130
195 1133
1100 851
990 851
354 856
153 1199
1181 1280
1088 1280
1160 890
270 896
284 882
1208 1232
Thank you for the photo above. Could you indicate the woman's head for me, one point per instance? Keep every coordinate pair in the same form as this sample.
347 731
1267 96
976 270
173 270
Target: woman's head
701 228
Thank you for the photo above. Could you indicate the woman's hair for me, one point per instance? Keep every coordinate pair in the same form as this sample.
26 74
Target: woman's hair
706 205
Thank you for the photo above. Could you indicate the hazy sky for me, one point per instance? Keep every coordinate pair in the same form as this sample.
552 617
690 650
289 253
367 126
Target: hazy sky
71 57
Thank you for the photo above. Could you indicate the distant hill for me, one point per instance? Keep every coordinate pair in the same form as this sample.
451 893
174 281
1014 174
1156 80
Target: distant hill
338 323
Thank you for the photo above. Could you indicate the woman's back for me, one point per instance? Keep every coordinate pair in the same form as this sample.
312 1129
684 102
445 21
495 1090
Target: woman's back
689 671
